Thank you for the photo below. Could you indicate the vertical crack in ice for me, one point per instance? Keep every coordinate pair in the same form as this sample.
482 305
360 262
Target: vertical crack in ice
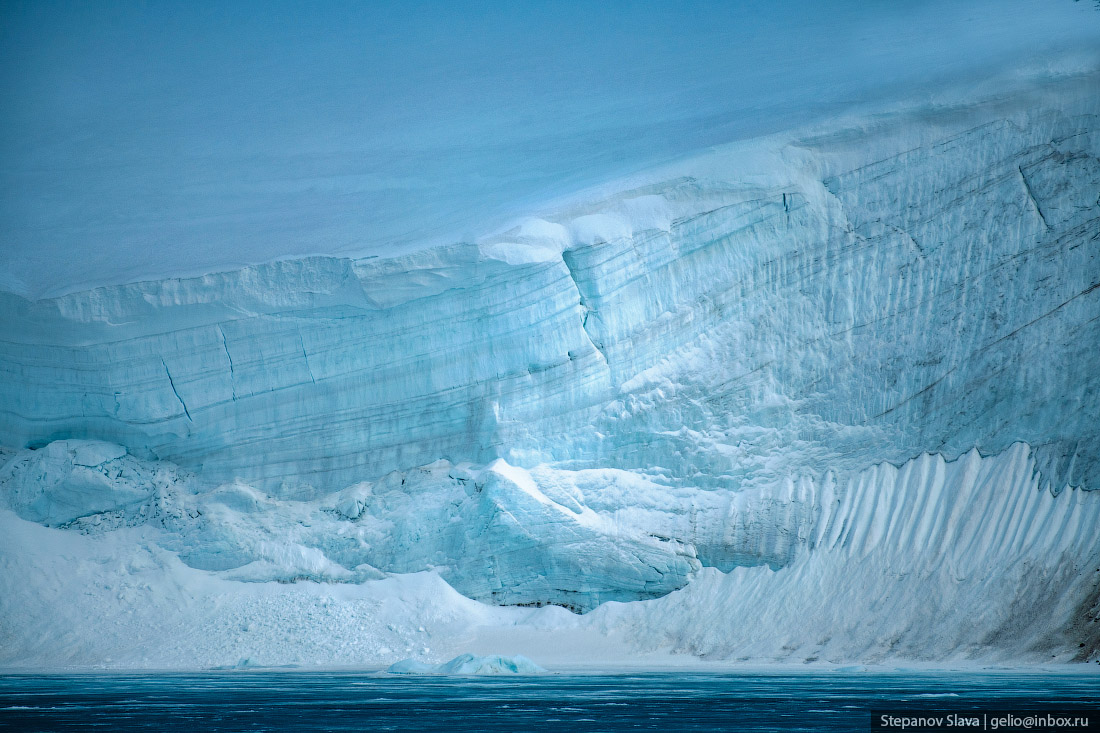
588 310
305 356
1031 195
232 371
176 392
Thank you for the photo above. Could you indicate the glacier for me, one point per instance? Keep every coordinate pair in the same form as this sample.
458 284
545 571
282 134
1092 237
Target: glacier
825 395
166 140
826 287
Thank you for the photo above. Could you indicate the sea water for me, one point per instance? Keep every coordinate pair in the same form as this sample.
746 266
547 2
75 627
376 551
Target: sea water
668 701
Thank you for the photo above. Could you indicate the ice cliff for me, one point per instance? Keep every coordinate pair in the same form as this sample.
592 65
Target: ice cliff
924 285
715 367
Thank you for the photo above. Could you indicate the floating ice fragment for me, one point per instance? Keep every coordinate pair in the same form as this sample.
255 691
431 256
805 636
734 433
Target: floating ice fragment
469 664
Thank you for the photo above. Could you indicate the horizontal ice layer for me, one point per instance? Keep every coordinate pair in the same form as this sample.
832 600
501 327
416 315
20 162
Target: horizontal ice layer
322 371
927 281
930 560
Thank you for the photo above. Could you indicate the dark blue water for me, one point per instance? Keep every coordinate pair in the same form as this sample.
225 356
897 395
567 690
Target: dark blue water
290 700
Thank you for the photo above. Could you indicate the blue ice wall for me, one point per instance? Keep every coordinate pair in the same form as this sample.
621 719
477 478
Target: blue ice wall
926 284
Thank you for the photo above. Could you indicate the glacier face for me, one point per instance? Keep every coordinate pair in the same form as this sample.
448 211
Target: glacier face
714 369
860 295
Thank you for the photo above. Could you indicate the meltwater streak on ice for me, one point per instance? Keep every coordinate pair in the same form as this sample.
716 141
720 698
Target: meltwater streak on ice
680 701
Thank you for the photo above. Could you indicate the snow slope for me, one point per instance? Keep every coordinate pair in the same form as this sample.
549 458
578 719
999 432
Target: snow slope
946 562
164 139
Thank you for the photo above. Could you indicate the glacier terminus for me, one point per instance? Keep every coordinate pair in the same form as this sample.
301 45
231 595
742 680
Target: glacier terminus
824 394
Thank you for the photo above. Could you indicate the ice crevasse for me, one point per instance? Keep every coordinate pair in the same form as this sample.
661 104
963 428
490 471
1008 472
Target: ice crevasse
857 360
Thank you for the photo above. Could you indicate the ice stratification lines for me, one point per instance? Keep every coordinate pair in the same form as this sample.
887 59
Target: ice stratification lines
343 370
715 369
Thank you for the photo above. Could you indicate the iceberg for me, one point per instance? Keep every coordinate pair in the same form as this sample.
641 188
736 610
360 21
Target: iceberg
469 664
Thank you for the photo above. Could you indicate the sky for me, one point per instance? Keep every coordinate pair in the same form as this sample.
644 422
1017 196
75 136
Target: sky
147 139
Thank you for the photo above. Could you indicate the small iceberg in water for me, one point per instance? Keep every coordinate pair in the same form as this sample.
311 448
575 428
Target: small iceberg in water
470 664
